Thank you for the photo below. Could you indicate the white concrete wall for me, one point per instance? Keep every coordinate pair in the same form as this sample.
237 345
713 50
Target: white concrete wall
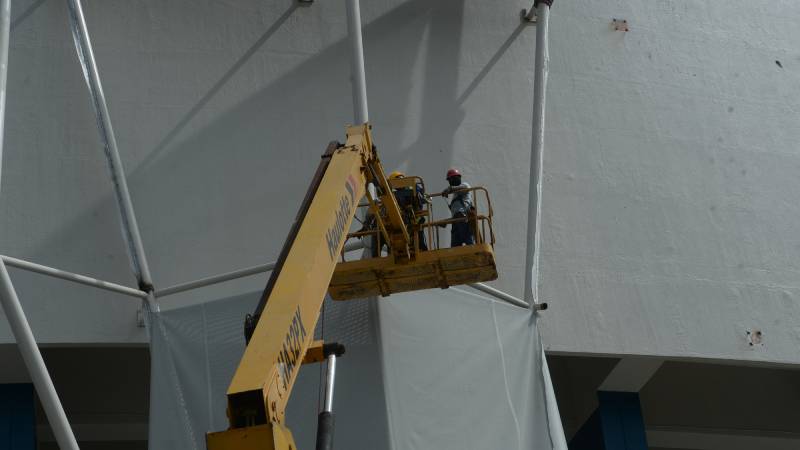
670 197
669 191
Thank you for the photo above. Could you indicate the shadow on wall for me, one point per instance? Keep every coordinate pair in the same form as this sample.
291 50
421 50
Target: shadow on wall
225 196
25 13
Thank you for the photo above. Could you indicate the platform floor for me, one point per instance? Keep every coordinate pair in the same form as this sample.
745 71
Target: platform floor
432 269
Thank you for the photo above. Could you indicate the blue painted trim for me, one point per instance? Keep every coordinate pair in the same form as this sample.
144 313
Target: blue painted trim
623 424
616 424
17 417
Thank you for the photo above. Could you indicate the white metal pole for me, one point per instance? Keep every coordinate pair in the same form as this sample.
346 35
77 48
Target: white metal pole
74 277
537 145
485 288
325 420
5 31
34 362
330 380
130 228
359 78
216 279
241 273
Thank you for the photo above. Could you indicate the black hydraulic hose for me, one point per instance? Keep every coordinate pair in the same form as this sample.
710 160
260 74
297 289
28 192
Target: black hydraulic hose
325 423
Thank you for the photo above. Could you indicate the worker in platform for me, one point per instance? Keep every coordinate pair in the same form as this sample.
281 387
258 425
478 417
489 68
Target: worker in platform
461 206
376 245
411 204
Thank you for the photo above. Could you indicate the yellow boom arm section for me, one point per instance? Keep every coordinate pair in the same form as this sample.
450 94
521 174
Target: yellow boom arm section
291 303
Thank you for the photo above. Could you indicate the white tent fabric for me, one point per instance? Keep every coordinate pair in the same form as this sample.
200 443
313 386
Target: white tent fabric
435 369
462 371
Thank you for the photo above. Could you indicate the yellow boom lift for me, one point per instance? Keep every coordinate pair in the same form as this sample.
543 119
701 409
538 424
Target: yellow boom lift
311 264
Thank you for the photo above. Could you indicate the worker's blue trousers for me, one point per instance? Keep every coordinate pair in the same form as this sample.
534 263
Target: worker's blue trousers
461 233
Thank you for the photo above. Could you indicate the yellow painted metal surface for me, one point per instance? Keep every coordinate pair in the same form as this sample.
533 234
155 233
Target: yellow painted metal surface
258 437
432 269
260 387
392 217
314 353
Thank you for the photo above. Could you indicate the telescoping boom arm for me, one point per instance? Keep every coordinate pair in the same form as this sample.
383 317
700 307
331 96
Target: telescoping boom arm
281 331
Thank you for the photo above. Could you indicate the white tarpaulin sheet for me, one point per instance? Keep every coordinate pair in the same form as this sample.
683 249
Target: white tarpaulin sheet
462 372
430 370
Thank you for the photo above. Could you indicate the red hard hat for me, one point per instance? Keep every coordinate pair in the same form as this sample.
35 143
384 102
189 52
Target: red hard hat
453 173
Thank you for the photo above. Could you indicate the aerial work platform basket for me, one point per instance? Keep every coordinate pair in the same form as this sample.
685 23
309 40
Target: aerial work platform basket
428 265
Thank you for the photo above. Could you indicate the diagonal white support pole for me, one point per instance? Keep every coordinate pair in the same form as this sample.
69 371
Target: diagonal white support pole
130 228
74 277
535 183
359 78
485 288
236 274
34 362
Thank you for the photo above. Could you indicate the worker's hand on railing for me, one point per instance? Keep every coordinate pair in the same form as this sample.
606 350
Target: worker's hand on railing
444 194
451 190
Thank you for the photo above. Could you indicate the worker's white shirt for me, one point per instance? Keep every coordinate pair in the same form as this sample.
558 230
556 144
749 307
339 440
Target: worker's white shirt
462 201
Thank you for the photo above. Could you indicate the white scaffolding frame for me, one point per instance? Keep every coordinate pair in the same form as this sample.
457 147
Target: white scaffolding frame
129 226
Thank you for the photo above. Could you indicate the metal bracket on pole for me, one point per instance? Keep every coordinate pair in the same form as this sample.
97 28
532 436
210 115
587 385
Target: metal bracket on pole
529 16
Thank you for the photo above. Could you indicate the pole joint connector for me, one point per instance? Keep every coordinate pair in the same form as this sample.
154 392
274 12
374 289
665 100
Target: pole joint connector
144 286
333 348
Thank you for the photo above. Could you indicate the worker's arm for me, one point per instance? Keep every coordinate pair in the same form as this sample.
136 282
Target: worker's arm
454 189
